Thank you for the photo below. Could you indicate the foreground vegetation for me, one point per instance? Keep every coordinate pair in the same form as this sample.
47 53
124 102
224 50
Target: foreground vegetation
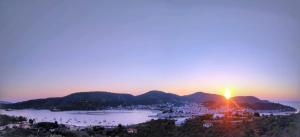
255 126
4 120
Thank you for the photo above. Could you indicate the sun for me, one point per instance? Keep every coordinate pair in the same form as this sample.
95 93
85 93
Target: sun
227 93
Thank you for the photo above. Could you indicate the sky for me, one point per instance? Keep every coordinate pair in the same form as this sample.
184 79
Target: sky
54 48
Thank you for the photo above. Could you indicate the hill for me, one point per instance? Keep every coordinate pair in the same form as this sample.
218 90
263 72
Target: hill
157 97
94 100
77 101
200 97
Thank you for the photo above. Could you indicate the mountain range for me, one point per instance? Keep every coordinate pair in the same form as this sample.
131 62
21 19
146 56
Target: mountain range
101 99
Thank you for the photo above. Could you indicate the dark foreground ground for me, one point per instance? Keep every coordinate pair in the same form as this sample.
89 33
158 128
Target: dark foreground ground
203 126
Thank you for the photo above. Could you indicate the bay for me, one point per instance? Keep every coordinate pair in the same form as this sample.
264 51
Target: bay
86 118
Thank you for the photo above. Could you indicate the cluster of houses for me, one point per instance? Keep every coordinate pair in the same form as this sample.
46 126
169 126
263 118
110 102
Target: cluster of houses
187 111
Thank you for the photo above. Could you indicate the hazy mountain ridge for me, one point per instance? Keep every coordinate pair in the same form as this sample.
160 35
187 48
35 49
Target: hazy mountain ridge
157 97
199 97
4 102
102 99
248 99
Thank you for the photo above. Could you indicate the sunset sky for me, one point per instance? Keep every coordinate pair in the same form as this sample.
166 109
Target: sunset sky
54 48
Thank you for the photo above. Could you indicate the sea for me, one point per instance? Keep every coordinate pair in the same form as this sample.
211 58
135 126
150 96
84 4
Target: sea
294 104
86 118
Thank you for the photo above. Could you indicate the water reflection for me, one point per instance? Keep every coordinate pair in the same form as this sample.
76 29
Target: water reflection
87 118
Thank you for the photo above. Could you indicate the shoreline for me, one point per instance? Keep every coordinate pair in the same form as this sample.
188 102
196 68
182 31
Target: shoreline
91 113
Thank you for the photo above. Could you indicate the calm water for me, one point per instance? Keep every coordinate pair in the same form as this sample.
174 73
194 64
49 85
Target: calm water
87 118
294 104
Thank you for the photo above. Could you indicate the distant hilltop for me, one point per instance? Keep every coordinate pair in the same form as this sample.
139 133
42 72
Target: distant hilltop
95 100
5 102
